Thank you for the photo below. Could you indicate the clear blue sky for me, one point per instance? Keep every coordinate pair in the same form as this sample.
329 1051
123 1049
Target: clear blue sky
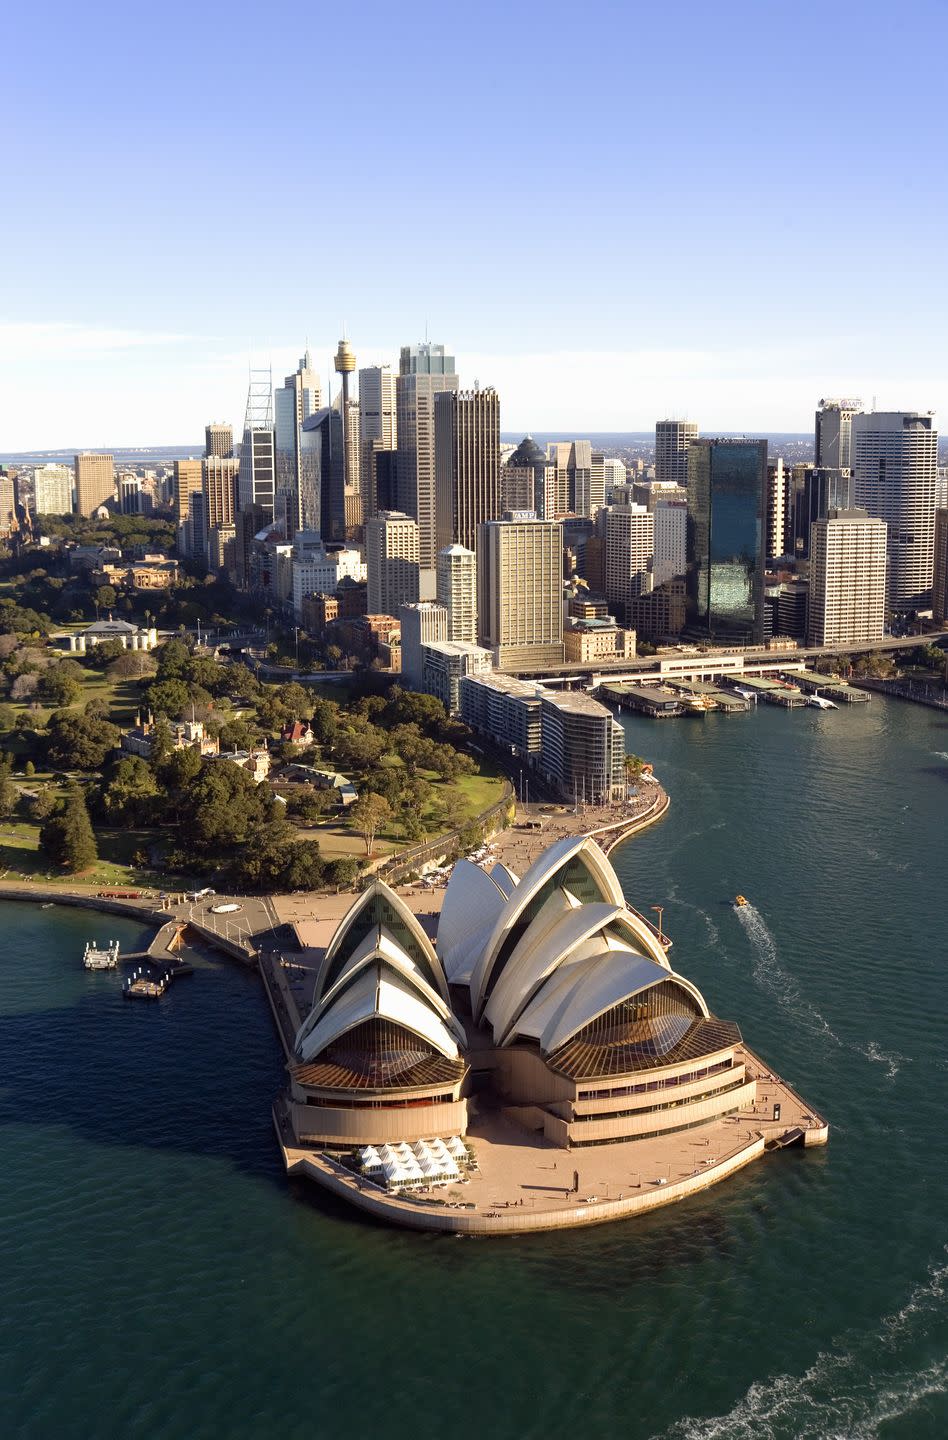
609 211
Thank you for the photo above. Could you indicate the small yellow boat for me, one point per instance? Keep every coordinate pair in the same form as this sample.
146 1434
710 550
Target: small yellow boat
739 900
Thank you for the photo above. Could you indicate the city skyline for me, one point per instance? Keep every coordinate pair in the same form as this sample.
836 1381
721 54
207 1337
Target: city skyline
131 276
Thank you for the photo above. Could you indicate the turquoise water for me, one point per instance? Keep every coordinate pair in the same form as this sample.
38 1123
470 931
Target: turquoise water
161 1278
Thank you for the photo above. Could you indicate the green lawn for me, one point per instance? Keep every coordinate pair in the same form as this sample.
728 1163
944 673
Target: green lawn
20 857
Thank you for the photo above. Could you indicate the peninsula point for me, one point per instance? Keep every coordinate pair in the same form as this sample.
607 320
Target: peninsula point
526 1059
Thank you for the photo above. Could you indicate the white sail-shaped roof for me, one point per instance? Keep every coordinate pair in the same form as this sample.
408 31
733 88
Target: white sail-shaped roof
380 947
379 904
615 977
472 903
536 958
377 993
579 852
503 876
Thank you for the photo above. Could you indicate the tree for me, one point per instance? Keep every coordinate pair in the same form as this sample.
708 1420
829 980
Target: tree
129 796
173 660
43 804
343 872
105 597
7 717
67 838
367 815
57 688
132 665
79 742
9 795
303 868
172 697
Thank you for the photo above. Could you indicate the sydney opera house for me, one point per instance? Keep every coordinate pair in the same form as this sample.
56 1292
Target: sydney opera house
542 999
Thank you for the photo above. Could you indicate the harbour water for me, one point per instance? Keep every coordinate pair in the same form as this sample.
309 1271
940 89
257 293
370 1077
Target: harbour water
161 1278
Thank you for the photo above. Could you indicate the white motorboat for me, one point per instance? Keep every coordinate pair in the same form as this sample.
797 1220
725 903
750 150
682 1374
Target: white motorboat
820 703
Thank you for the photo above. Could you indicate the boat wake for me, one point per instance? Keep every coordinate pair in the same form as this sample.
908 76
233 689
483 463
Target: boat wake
867 1380
714 934
773 977
940 754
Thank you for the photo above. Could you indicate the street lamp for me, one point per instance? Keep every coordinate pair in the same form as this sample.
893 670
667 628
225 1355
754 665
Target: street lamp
661 911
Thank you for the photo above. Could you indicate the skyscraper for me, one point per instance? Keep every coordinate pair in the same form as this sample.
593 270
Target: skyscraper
671 527
847 579
570 489
52 489
219 482
672 438
834 420
298 398
95 482
520 591
219 440
467 464
629 535
940 582
257 480
775 543
321 475
424 372
727 486
813 493
187 482
391 557
895 471
525 478
457 592
378 431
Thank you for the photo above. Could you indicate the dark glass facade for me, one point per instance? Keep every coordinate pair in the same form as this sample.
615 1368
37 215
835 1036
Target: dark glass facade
727 486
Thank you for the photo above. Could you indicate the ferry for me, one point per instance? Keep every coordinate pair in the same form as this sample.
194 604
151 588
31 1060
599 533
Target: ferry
96 958
820 703
739 900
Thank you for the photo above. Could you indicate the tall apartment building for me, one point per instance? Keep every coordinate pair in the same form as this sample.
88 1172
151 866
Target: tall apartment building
188 481
520 592
95 482
391 558
671 528
219 440
422 624
940 580
847 579
894 458
672 438
629 536
614 473
467 464
834 420
52 489
727 488
8 519
298 398
219 481
378 432
775 520
457 592
257 477
424 372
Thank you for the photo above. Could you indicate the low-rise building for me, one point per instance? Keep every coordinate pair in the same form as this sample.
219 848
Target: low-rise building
587 641
132 637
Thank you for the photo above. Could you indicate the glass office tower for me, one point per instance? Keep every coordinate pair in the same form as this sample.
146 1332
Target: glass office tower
727 487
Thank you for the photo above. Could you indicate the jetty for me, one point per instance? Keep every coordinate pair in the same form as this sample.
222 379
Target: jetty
142 985
98 957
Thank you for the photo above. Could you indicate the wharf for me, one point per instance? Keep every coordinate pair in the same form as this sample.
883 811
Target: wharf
659 702
831 687
701 697
774 692
140 986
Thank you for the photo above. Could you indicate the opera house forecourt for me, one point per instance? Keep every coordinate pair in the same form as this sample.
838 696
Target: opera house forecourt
535 1063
